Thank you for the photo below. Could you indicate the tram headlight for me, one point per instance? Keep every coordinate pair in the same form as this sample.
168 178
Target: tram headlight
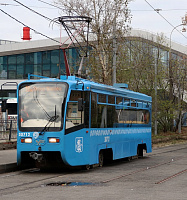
26 140
54 140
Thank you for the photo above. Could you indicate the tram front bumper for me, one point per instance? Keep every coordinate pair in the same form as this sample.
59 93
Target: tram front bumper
36 156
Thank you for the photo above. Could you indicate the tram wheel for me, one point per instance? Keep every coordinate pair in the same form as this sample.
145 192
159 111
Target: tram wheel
101 159
140 151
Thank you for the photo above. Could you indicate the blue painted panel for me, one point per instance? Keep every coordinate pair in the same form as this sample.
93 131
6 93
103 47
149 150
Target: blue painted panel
77 148
39 141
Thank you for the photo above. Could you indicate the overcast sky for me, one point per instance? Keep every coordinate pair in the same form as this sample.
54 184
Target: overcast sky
169 16
143 17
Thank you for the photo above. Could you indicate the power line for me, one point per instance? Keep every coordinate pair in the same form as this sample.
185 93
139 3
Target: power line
160 10
34 11
8 4
29 27
51 5
164 18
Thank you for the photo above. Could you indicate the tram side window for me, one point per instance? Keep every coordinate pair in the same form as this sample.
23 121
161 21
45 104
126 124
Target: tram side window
119 100
102 98
111 116
111 99
133 116
74 117
102 115
94 110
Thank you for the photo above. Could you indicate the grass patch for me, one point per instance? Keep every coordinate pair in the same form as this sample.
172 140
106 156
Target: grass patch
169 138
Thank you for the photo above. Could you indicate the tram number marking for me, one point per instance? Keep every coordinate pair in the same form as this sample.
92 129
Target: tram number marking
24 134
107 139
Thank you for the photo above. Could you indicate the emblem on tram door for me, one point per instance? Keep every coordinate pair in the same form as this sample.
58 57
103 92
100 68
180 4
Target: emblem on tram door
79 144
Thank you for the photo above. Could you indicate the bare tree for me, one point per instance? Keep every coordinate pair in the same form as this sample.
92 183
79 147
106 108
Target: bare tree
137 62
104 14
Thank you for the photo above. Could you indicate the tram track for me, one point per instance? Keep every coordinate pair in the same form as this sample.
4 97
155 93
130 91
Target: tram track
169 151
27 185
42 182
142 170
172 176
15 173
154 166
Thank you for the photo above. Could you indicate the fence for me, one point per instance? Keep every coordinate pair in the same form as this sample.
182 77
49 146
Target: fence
8 129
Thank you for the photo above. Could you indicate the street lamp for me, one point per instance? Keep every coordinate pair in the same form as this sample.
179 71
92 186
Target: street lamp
184 22
170 67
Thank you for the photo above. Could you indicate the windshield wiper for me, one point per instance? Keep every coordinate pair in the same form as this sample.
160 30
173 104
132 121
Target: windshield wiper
51 120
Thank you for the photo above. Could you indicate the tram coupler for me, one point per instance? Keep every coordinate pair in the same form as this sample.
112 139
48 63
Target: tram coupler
36 156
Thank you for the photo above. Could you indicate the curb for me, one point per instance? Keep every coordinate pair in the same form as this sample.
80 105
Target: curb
168 139
8 145
8 167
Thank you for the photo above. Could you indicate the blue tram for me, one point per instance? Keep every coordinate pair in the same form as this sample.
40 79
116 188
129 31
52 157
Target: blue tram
76 122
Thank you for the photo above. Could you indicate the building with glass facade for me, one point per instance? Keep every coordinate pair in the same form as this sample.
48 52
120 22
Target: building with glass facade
44 57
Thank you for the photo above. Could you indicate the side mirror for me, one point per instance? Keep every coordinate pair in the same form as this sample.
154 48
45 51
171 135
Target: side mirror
80 104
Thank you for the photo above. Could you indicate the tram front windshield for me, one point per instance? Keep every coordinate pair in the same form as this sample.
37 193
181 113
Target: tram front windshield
41 106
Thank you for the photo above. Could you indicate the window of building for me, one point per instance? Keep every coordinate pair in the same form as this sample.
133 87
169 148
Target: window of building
46 73
46 57
54 70
29 58
38 69
20 59
12 67
12 74
29 70
38 58
3 67
12 60
55 57
20 71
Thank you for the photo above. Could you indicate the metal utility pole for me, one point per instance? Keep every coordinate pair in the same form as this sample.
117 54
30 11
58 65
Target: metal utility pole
170 65
184 23
155 122
114 51
179 104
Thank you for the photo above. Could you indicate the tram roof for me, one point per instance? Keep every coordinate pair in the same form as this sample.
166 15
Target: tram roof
117 89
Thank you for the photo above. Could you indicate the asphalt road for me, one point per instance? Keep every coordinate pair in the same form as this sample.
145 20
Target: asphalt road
161 175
